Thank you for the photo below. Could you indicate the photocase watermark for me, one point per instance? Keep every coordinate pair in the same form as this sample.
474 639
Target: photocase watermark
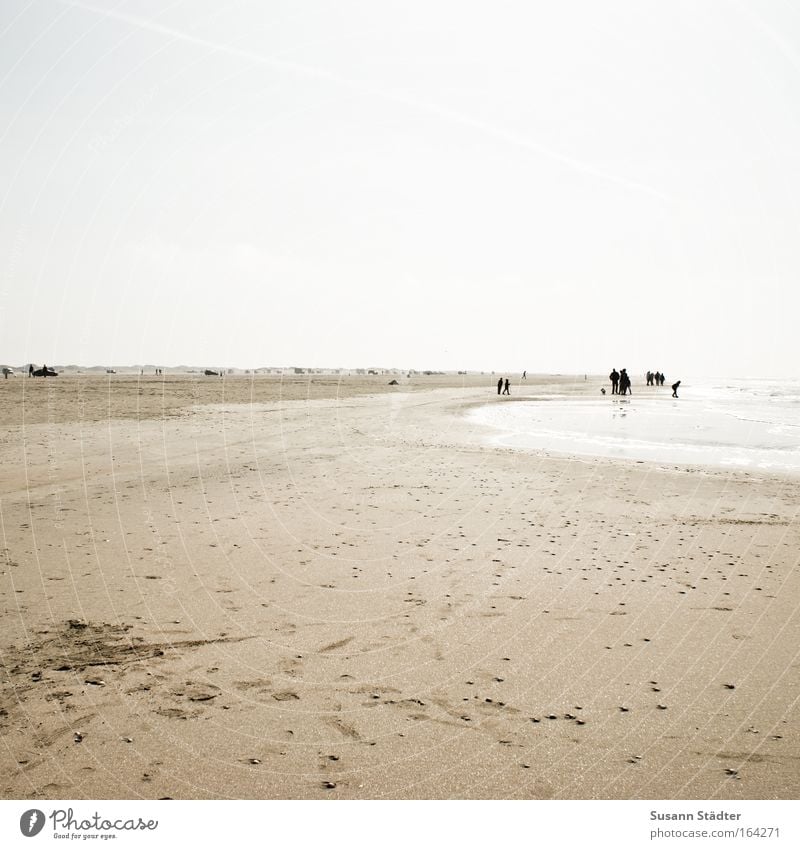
66 825
101 142
19 244
52 459
31 822
169 585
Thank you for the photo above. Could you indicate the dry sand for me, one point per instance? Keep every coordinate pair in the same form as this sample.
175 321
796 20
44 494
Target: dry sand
333 588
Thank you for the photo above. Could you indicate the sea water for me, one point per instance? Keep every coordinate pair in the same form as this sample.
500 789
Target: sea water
738 424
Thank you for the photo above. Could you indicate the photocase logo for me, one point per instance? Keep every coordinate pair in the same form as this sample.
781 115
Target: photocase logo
31 822
66 825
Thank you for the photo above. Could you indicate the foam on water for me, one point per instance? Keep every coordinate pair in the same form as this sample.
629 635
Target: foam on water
734 424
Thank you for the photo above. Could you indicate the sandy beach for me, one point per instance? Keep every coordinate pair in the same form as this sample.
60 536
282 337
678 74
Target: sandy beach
330 587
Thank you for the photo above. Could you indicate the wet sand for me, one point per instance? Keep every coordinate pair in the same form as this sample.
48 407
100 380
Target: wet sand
333 588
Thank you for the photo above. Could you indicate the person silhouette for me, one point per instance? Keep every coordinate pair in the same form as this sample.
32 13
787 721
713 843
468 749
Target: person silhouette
675 389
524 375
506 389
624 382
500 386
614 378
30 370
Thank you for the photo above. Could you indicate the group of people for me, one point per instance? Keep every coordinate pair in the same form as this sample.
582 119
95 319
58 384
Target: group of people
620 382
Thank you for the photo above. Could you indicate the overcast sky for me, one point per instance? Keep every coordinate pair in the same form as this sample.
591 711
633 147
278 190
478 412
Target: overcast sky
556 186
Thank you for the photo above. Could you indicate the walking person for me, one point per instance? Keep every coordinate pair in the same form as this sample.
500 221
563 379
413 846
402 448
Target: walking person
506 390
675 389
500 386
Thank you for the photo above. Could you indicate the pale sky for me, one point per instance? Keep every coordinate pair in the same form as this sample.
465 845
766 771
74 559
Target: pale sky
560 187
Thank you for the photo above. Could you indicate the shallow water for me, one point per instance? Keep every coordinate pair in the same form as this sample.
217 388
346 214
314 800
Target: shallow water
733 424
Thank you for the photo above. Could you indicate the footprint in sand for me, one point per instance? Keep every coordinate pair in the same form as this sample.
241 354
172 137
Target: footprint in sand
343 728
336 645
285 696
197 692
